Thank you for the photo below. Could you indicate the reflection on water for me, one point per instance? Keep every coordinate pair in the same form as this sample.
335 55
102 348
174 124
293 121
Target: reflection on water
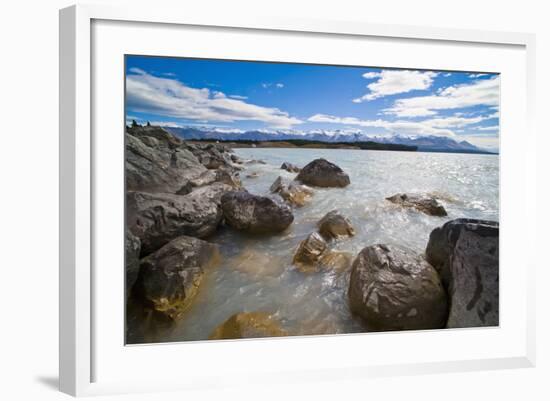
256 273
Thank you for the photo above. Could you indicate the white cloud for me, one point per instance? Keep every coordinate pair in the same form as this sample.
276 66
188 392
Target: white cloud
266 85
396 127
370 75
453 122
479 93
444 126
238 97
489 128
477 75
392 82
171 98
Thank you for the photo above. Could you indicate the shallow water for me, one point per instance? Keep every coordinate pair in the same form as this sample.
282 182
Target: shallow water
256 274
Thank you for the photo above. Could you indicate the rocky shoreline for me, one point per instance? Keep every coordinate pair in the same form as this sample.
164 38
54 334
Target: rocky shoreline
179 194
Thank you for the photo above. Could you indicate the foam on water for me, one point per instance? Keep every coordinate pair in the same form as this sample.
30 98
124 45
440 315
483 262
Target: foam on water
256 273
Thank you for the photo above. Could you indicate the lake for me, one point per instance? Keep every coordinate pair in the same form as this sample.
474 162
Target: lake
256 273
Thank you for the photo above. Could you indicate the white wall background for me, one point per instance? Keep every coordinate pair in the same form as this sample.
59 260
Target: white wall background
29 200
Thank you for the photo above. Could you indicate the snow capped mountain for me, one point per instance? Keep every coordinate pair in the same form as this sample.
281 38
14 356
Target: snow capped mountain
430 143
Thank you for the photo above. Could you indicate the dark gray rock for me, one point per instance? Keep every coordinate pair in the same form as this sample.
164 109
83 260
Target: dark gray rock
322 173
255 214
158 218
335 225
424 204
133 248
466 254
170 277
291 168
158 168
394 289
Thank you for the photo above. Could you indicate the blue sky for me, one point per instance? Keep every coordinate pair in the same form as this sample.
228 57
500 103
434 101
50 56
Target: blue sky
242 95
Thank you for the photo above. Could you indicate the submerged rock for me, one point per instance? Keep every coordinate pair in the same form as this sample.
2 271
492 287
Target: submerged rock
427 205
169 278
466 254
255 214
291 168
394 289
257 263
248 325
294 194
133 248
336 261
158 218
335 225
322 173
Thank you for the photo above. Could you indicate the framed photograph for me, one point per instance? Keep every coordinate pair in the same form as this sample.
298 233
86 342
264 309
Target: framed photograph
275 199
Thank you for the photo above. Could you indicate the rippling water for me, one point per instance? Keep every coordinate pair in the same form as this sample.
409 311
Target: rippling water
256 274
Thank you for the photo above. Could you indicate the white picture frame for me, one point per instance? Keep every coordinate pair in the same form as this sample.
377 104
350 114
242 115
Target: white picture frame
80 341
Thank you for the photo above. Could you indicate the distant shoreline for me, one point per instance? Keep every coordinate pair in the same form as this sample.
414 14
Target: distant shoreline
309 144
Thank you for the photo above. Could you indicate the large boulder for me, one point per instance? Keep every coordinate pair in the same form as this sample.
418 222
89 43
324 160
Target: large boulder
169 278
466 254
322 173
335 225
425 204
133 248
248 325
255 214
392 288
153 167
158 218
293 193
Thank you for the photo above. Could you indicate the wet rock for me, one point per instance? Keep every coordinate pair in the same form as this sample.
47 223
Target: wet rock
427 205
159 168
314 255
335 225
291 168
236 159
277 185
322 173
255 214
310 251
170 277
248 325
466 254
133 248
294 194
158 218
394 289
254 174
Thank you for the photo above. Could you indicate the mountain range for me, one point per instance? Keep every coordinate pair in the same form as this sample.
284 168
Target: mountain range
429 143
